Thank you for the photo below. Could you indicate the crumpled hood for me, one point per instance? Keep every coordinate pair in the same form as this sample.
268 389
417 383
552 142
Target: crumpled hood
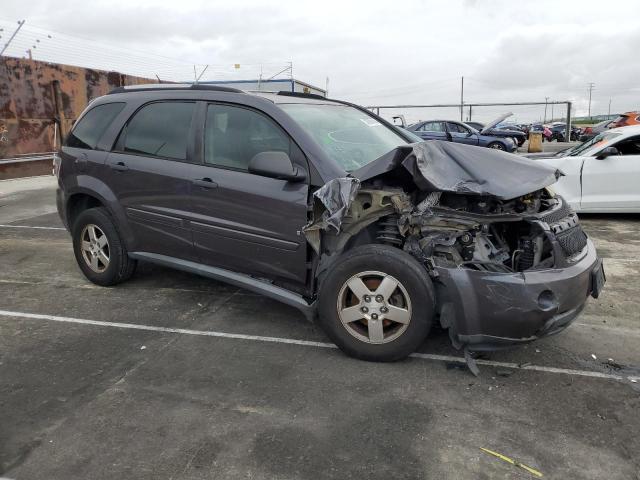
437 165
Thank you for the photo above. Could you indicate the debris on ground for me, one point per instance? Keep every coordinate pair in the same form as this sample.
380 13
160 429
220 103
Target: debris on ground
143 347
503 372
593 355
513 462
613 364
471 362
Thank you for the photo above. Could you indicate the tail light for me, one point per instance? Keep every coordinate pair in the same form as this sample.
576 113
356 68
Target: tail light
57 164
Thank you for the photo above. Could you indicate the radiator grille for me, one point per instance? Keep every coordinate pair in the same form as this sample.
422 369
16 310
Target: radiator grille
557 215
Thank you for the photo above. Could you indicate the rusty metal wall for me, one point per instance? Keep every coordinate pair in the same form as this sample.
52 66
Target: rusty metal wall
33 95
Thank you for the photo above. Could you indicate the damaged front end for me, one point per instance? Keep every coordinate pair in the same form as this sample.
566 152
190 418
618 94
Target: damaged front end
509 260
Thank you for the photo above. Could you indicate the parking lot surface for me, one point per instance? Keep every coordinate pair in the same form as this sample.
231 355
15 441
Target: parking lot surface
175 376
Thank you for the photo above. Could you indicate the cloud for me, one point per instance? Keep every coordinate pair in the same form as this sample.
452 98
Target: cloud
384 52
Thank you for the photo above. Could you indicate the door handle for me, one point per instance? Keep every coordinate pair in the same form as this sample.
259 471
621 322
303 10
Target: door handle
205 182
120 166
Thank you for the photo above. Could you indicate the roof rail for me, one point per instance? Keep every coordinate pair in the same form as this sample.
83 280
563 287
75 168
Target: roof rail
286 93
172 86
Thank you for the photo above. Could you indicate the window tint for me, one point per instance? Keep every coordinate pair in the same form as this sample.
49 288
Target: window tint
161 130
90 128
434 127
233 135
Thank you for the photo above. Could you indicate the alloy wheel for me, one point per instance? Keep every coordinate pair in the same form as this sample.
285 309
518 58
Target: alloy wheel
95 248
374 307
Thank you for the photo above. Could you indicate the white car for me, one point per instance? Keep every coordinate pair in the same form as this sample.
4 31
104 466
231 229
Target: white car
601 174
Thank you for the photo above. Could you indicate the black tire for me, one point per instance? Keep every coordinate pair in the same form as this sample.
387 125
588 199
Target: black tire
119 267
497 146
413 279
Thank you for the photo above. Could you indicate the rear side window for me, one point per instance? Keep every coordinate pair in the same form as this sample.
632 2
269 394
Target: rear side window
434 127
160 130
233 135
92 125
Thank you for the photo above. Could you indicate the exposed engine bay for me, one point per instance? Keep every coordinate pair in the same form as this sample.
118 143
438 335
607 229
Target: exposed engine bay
434 200
457 230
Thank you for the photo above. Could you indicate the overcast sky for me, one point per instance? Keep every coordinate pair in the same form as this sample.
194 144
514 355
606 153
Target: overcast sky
381 52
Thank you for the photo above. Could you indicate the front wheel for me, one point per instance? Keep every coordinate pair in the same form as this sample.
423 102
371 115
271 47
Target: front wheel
377 303
496 146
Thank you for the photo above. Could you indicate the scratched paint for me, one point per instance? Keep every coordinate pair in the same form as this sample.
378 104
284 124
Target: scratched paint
30 106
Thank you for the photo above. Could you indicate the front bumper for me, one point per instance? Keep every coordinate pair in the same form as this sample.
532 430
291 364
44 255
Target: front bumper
488 311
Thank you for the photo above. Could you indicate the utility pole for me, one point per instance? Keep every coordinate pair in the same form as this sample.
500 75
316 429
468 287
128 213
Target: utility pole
326 88
591 85
546 99
461 98
6 45
609 111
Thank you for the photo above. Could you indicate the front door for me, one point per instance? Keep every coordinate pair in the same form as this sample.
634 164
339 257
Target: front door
242 221
612 182
461 134
150 173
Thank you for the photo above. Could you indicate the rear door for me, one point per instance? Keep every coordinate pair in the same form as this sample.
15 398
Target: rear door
432 131
612 182
461 134
150 173
242 221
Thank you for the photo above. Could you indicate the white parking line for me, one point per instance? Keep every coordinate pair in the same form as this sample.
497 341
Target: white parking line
29 226
306 343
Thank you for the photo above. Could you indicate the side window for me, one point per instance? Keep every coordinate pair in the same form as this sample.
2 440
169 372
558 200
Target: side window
90 128
160 129
456 128
233 135
433 127
630 146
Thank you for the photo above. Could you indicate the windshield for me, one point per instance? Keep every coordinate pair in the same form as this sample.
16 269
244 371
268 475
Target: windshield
601 138
347 135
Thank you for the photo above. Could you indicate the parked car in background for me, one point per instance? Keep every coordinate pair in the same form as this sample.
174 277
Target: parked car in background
459 132
491 128
626 120
558 132
601 174
543 129
589 132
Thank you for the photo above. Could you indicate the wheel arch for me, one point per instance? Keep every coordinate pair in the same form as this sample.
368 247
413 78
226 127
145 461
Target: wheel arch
89 192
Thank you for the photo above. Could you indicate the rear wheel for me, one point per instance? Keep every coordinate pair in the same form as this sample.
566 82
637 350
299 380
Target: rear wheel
99 250
377 303
496 146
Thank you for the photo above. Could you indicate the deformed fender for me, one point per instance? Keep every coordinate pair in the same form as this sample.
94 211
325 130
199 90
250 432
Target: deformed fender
331 203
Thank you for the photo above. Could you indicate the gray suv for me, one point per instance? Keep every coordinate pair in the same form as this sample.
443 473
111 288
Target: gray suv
326 207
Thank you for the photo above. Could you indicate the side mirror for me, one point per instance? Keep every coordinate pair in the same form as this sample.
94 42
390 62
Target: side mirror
469 134
607 152
276 165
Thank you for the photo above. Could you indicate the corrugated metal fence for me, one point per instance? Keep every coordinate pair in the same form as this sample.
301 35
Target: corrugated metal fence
36 96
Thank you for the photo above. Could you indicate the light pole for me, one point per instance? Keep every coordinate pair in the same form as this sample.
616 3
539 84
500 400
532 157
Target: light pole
591 85
546 99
